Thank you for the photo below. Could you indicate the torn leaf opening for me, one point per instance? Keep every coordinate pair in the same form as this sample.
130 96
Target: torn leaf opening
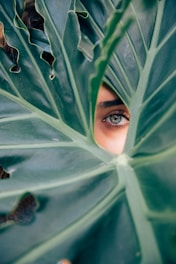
11 52
35 22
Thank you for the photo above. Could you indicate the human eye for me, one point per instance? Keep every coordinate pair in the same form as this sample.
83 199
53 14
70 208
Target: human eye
116 119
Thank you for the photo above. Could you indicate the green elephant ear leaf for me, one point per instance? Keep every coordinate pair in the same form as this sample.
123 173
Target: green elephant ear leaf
61 195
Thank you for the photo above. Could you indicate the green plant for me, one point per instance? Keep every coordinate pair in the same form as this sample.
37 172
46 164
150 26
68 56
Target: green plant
65 197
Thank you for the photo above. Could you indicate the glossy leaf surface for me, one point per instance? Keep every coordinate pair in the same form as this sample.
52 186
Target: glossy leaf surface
66 197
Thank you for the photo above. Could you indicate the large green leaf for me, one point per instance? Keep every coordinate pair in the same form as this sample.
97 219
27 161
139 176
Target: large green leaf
66 197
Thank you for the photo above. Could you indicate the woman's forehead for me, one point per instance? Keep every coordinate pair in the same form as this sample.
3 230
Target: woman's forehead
106 94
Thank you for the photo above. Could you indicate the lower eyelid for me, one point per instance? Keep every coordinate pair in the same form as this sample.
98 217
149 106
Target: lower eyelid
111 127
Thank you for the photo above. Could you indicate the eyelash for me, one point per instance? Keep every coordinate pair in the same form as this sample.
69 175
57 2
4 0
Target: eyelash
120 115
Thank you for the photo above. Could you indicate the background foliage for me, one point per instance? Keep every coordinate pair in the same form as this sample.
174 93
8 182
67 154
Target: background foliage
61 195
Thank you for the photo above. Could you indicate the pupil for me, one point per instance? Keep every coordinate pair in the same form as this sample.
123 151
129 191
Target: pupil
115 119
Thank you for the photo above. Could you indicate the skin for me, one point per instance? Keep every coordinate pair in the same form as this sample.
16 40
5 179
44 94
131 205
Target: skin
111 121
64 261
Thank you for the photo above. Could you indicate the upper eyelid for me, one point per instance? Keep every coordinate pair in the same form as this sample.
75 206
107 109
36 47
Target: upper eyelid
123 115
119 111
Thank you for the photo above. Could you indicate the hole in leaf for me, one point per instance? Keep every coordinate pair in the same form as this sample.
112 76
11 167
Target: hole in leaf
11 52
48 57
3 173
15 68
112 119
33 20
52 76
30 17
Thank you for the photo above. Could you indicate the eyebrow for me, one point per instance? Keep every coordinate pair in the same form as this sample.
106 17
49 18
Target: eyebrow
106 104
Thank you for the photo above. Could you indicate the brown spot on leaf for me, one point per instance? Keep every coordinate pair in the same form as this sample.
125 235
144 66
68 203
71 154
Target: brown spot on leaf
23 213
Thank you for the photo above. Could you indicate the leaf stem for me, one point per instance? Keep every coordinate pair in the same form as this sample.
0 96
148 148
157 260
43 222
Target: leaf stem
147 241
